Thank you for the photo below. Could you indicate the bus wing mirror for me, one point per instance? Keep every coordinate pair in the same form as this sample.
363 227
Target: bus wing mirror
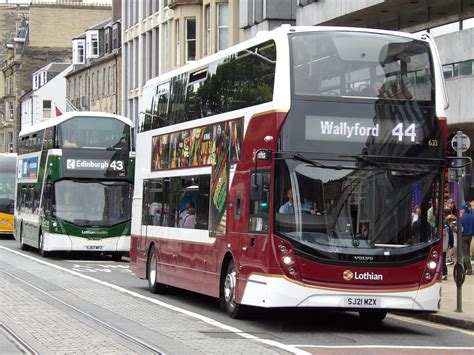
256 187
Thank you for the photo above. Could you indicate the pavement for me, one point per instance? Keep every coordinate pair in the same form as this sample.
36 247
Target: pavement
448 314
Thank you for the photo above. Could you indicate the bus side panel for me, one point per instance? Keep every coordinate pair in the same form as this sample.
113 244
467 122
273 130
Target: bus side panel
137 266
254 253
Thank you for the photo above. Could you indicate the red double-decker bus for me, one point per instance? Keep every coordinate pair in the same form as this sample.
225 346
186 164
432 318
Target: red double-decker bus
301 168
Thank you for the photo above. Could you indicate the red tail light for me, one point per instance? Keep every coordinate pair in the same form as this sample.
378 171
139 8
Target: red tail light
287 258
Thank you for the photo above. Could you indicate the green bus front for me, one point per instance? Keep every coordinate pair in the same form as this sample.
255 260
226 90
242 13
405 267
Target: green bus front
81 198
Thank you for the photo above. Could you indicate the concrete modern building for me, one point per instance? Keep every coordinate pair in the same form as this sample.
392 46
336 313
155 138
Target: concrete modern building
265 15
450 22
34 46
160 35
47 99
95 82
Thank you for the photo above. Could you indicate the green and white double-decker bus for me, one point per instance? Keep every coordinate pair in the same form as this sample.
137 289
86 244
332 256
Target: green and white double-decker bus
75 184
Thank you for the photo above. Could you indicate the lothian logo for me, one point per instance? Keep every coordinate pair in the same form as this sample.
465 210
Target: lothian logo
348 275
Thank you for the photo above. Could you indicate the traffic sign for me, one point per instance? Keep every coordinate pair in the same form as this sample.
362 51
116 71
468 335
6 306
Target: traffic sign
461 142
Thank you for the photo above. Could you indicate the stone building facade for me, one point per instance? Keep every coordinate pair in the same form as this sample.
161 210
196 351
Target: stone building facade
10 17
33 47
95 82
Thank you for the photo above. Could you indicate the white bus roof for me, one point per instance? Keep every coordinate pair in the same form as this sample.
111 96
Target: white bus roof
263 36
68 115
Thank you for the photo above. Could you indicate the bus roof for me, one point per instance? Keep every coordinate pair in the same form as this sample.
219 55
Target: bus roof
68 115
263 36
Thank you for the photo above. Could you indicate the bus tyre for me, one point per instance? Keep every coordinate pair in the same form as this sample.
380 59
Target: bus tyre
153 284
372 315
234 310
23 246
117 256
42 252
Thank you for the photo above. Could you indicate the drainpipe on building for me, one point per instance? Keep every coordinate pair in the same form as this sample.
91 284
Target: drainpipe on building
116 85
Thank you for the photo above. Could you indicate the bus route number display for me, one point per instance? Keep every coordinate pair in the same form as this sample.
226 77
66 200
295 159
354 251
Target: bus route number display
95 164
358 129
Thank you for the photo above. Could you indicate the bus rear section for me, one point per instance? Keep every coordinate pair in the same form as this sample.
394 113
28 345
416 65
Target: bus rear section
75 193
7 192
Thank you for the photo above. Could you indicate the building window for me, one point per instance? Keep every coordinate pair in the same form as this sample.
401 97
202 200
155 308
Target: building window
448 71
103 82
8 88
10 111
178 42
10 142
208 29
115 37
35 82
92 44
46 108
107 46
455 70
109 73
222 26
78 52
43 78
93 89
190 39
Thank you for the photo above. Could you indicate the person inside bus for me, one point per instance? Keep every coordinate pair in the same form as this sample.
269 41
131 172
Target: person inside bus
187 211
189 220
288 206
69 144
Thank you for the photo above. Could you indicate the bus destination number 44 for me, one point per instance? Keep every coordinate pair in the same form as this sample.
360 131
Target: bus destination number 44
400 132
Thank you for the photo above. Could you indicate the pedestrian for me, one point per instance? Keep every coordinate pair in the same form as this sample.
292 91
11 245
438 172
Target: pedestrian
467 232
448 242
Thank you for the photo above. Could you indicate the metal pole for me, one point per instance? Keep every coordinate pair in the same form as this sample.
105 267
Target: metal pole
459 265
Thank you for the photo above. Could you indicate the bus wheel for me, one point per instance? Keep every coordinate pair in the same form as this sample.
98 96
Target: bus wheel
23 246
42 252
234 310
153 284
372 315
117 256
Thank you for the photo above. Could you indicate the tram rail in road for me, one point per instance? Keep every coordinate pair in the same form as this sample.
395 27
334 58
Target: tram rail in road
89 316
12 343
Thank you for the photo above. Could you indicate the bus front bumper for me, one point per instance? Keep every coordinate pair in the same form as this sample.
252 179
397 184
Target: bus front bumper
278 291
63 242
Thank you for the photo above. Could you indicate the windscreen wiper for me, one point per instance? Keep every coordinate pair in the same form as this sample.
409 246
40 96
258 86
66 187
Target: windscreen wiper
384 163
301 158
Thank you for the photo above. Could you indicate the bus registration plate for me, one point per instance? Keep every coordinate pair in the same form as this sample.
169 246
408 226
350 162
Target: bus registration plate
94 247
366 302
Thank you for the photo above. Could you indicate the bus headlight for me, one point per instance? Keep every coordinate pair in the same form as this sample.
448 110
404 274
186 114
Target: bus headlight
428 276
288 260
432 265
